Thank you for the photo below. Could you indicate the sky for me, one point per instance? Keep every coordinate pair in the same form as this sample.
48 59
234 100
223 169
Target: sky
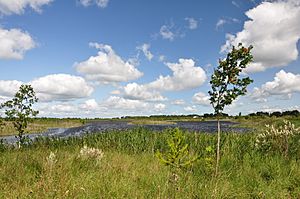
113 58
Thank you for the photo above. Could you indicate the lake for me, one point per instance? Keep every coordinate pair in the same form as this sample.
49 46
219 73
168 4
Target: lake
102 126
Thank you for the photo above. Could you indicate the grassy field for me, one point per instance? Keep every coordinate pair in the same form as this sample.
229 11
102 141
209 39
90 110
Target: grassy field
130 169
259 122
151 122
41 125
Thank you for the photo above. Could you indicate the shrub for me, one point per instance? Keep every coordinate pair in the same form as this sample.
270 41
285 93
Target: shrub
278 139
91 153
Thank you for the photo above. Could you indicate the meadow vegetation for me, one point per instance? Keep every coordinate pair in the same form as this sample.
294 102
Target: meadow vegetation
123 164
40 125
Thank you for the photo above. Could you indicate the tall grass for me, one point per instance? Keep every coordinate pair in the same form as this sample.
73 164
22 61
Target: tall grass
129 168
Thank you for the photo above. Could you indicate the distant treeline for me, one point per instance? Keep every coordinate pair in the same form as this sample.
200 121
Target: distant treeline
174 117
276 113
212 115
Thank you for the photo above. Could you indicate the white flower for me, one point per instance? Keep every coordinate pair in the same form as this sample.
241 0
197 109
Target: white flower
91 153
51 159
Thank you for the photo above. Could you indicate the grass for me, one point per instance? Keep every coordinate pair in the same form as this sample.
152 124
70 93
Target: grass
41 125
259 122
151 122
130 169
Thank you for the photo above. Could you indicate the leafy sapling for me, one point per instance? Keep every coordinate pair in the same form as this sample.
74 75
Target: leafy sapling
20 111
1 124
227 85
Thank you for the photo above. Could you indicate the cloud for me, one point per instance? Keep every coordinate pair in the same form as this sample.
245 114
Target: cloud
193 23
141 92
178 102
56 87
61 87
273 30
220 23
107 67
228 20
186 75
161 58
115 92
8 88
170 31
166 32
159 107
8 7
14 43
111 107
235 4
145 49
190 109
90 104
99 3
120 103
284 85
201 99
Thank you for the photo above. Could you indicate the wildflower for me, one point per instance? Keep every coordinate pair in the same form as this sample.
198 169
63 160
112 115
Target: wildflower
276 137
51 159
91 153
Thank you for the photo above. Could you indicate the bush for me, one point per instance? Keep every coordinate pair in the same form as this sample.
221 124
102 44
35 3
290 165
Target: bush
278 139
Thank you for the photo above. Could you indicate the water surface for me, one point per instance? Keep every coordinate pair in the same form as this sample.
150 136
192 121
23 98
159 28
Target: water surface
101 126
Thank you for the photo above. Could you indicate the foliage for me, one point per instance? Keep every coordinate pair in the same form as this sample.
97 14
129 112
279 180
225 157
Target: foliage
130 171
225 82
1 124
20 110
227 85
209 160
278 138
90 153
177 156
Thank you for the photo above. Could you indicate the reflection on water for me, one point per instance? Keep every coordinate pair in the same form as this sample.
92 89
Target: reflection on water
94 127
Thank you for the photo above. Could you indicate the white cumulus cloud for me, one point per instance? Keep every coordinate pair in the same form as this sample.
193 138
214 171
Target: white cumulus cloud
107 66
141 92
185 75
90 104
201 99
8 7
14 43
159 107
120 103
61 87
8 88
273 30
284 85
178 102
190 109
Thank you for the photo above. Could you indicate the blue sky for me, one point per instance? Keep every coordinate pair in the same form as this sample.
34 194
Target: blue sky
110 58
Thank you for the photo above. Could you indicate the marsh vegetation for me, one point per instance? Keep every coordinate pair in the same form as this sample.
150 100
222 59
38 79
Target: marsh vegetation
123 164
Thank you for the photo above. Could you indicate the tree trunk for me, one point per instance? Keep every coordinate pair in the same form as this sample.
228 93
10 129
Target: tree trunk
218 146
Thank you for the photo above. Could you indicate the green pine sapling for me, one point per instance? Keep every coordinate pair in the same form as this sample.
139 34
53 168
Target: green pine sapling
227 85
177 158
19 110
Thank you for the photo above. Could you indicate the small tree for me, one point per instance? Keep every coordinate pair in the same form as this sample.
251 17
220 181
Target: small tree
20 111
177 158
227 85
1 124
